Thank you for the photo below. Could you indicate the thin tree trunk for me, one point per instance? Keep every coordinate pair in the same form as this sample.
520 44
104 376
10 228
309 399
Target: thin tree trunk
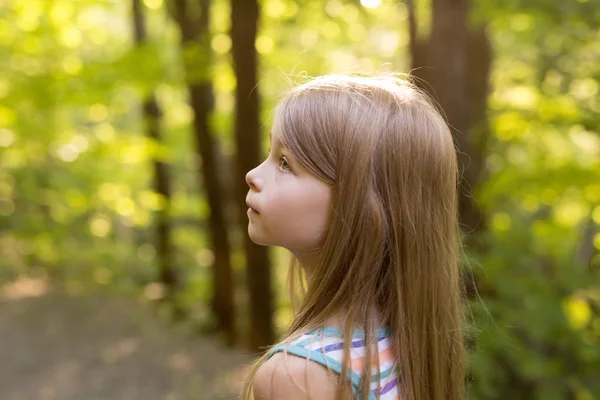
193 25
152 114
585 252
244 25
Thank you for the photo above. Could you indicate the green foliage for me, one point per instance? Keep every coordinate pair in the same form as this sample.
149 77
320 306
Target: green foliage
76 203
538 322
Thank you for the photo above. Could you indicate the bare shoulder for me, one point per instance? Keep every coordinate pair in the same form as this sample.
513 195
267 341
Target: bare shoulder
283 377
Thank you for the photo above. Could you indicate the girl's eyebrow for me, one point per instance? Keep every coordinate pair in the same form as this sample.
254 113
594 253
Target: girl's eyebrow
278 143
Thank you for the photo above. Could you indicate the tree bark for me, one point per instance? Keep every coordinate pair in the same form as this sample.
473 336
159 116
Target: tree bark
244 25
193 23
453 65
168 275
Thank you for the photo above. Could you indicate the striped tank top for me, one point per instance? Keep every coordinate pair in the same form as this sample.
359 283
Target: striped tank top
325 346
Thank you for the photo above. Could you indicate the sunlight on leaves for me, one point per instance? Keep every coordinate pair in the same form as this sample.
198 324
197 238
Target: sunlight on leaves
264 44
4 87
330 30
357 32
221 43
561 109
334 8
529 203
72 64
558 146
523 97
274 8
98 112
105 133
153 4
7 116
152 200
180 115
71 36
521 22
510 125
67 152
587 142
100 226
370 3
501 221
142 218
7 137
569 214
110 191
308 37
125 206
596 215
577 311
28 16
60 12
584 89
81 143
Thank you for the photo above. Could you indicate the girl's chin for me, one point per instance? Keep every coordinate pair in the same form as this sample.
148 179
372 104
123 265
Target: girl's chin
259 239
254 236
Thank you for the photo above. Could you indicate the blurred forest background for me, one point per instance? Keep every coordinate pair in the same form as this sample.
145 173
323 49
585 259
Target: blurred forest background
127 126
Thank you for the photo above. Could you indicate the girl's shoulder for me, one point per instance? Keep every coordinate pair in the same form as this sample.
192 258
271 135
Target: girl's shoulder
287 376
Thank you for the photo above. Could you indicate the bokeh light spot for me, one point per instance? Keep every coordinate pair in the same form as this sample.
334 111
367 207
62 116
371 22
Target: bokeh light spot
100 226
370 3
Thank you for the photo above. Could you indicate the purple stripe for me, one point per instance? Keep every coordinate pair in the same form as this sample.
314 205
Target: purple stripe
339 346
392 384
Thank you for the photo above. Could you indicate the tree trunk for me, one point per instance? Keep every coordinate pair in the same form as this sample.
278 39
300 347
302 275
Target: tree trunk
455 64
244 24
194 29
167 274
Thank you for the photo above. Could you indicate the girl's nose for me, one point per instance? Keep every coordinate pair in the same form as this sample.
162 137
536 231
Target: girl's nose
252 179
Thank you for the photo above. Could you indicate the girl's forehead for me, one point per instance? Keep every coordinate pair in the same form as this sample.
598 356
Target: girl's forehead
274 138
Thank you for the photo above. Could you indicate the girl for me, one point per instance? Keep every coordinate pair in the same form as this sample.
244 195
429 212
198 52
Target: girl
361 186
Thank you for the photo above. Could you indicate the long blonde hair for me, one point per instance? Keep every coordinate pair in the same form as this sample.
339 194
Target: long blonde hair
392 242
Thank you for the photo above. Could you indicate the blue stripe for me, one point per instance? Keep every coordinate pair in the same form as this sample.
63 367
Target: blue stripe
339 346
383 375
358 333
323 360
306 341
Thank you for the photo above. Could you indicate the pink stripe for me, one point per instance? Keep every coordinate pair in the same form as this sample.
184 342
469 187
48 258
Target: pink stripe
385 355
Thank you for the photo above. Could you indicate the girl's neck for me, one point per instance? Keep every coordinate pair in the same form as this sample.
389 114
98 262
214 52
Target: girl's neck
338 320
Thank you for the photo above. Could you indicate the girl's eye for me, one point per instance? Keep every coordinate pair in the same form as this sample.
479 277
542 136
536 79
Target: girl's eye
283 164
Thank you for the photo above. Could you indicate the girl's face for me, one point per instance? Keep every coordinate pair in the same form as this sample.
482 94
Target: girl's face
288 206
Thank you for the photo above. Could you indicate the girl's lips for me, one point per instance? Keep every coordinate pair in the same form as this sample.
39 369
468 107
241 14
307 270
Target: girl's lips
252 211
250 207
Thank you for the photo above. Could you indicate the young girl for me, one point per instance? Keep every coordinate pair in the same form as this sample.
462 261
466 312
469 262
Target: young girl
361 186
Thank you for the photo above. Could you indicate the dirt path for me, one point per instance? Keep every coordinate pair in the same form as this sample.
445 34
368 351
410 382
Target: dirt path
96 347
